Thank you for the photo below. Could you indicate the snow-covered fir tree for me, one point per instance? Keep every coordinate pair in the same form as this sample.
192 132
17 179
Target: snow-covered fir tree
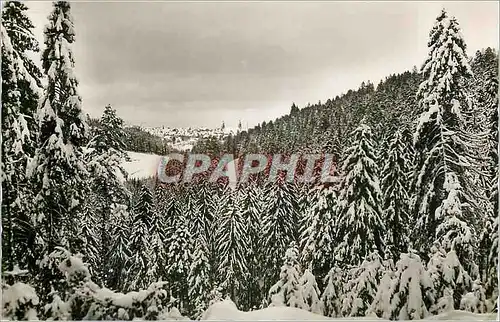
447 151
199 278
440 274
17 224
88 231
287 291
279 227
249 206
317 231
411 291
179 247
57 168
311 293
119 250
458 240
395 191
359 225
232 244
362 285
20 302
333 294
19 28
138 263
157 249
381 302
475 301
20 94
489 254
104 161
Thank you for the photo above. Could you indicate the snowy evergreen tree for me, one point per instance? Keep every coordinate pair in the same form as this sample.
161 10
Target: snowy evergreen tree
156 250
411 291
311 293
16 198
333 294
179 248
89 234
318 231
287 291
475 301
492 103
441 275
20 302
104 163
362 285
380 305
139 261
249 203
199 278
20 93
57 168
19 28
232 244
359 226
447 151
279 227
395 191
453 233
491 267
250 209
119 250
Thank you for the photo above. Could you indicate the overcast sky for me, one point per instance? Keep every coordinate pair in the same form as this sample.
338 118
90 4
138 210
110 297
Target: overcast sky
197 64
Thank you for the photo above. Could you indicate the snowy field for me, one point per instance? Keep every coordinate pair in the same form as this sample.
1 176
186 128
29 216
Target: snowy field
227 311
141 165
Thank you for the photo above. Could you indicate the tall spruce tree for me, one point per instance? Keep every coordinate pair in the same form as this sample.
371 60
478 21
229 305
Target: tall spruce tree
288 291
199 278
156 251
232 244
178 250
311 293
19 28
361 288
446 151
279 227
359 226
104 162
15 133
20 94
318 232
395 192
411 291
250 203
139 261
333 294
119 250
57 168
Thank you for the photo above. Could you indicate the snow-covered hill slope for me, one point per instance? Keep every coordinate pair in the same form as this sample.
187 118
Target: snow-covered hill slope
227 311
142 165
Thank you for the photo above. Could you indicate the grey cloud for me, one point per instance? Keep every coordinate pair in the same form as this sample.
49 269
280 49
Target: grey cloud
202 62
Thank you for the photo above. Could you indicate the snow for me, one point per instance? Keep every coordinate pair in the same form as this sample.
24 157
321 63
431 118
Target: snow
142 165
227 311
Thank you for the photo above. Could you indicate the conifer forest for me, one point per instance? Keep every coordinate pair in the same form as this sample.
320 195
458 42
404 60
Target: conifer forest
407 230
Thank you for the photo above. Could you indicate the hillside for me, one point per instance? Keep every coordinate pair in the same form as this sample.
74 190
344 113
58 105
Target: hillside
326 126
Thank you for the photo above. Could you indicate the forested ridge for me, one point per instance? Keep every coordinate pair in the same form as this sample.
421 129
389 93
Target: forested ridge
409 229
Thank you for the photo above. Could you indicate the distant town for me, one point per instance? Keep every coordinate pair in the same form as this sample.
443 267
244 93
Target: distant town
183 139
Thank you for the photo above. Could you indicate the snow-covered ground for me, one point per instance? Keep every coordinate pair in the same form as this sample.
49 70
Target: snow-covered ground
142 165
227 311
